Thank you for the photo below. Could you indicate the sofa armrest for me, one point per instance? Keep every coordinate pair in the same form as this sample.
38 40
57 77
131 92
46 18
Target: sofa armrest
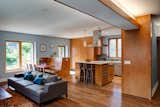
56 87
19 74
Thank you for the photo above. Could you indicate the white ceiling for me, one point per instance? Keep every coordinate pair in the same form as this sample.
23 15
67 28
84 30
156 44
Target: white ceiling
46 17
140 7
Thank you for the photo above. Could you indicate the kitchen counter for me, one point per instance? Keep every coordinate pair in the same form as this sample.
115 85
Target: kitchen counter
104 71
99 62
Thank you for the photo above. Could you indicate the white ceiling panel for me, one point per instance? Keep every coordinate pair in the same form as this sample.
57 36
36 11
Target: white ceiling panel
140 7
46 17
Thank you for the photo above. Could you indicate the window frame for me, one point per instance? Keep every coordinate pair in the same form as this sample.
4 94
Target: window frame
20 56
116 47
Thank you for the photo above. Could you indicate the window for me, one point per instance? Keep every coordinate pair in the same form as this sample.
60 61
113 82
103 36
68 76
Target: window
115 48
112 48
27 53
18 54
12 55
119 47
61 51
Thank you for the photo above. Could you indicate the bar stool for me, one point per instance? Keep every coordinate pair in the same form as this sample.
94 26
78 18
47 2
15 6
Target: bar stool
82 73
90 73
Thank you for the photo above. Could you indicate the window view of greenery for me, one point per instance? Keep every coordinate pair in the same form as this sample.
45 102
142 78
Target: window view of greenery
12 55
115 48
15 55
27 53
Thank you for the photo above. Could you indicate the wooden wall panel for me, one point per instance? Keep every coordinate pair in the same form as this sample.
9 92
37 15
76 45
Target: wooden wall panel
137 48
79 52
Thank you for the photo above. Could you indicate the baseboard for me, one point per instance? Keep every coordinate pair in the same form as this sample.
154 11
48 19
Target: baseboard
155 88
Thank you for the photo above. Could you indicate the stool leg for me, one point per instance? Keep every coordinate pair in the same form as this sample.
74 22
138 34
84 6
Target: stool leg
92 73
85 76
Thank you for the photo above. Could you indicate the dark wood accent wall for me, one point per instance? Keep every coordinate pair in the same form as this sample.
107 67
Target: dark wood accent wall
137 48
80 53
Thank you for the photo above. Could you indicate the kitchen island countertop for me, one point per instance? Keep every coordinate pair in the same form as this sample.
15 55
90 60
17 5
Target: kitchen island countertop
99 62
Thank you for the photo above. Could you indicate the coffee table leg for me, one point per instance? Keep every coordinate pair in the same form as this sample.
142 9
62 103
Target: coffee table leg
6 103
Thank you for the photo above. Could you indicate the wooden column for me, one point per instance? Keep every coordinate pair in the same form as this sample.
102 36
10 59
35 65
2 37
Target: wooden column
136 47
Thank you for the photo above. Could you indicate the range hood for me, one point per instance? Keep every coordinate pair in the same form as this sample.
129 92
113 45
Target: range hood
96 39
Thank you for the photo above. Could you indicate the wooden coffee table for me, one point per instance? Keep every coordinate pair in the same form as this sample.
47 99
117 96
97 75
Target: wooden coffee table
4 96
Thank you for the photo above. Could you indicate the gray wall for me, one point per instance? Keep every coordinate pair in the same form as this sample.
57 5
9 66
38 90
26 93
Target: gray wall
154 54
36 39
154 60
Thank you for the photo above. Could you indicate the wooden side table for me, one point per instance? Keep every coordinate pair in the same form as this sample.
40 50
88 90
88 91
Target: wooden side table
4 96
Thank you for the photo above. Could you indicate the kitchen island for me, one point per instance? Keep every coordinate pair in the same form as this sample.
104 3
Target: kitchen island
103 71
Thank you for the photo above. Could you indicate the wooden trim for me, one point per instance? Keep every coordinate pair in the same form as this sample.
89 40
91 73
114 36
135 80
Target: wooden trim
3 83
118 10
154 89
5 54
20 55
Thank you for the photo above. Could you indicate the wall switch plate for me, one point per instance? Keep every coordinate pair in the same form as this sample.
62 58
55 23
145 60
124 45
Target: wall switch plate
127 62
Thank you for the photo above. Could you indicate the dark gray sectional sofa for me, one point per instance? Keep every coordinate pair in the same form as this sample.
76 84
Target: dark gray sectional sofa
51 89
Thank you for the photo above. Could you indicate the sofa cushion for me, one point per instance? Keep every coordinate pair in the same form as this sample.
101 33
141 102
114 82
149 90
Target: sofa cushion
24 83
51 78
36 89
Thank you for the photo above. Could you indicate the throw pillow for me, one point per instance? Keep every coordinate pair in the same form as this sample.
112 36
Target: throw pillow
38 80
28 77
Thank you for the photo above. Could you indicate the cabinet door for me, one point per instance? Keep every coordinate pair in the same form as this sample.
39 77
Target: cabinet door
110 70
